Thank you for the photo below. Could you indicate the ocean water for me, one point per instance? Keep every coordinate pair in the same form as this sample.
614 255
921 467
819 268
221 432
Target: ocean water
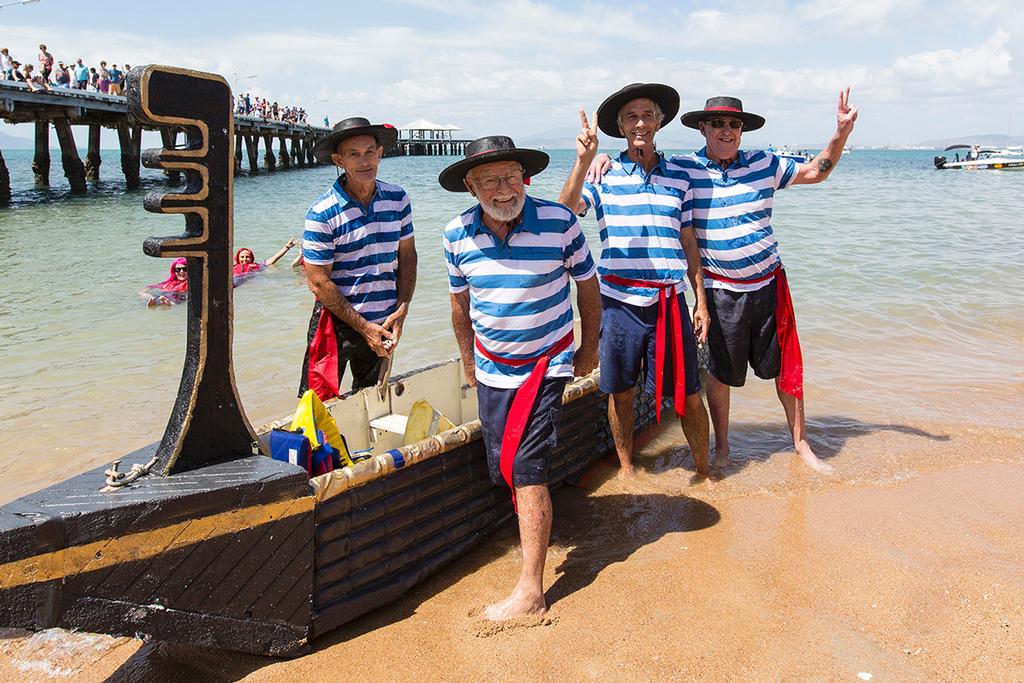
906 283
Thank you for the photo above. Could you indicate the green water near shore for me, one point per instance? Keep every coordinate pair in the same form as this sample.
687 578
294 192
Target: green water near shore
906 283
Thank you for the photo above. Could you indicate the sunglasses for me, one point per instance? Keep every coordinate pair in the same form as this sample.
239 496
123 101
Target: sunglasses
720 123
181 269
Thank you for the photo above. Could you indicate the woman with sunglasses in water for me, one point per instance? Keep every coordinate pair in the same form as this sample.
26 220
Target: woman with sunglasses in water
171 291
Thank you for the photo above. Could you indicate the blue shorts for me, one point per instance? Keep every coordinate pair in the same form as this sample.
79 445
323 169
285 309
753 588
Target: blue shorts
628 344
539 438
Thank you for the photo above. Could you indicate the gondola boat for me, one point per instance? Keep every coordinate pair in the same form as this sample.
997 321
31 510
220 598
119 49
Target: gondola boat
212 543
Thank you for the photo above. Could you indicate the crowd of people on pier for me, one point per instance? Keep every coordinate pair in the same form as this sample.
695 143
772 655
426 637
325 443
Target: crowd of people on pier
52 73
110 79
261 107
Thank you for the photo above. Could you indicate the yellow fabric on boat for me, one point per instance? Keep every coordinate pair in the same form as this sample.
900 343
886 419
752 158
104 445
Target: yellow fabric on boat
424 421
312 415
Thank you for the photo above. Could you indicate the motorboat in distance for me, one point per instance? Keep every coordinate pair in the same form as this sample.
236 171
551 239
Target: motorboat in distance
799 156
978 158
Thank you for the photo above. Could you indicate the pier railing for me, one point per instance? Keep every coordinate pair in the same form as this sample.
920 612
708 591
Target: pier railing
64 108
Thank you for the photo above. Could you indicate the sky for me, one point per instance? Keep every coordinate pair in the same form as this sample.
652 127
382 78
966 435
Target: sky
917 70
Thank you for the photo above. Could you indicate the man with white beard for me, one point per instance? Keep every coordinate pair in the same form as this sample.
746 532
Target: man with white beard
510 258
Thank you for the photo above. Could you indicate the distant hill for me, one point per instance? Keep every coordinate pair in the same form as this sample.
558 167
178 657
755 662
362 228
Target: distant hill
993 139
8 141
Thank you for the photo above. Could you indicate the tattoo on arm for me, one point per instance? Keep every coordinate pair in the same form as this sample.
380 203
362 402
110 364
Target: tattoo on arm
824 165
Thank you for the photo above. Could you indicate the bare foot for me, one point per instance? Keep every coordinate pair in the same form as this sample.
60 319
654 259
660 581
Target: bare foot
720 461
519 604
803 449
626 471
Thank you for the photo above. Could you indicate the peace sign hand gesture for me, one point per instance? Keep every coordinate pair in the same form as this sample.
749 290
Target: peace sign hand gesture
845 114
586 141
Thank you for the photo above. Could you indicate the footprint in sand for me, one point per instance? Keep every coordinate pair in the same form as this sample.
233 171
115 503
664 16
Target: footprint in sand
485 628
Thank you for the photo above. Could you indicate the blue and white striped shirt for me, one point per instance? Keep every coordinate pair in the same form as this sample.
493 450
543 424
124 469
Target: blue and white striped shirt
518 289
640 217
361 244
732 211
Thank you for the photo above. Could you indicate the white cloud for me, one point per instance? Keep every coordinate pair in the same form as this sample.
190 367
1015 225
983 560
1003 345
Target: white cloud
957 71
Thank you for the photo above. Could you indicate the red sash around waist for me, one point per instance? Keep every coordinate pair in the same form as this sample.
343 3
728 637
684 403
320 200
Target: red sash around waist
522 404
791 377
666 294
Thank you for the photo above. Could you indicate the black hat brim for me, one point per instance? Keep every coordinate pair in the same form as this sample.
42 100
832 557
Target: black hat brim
664 95
386 137
533 161
750 121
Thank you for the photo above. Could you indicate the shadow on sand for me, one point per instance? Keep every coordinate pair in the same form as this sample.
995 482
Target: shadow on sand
604 530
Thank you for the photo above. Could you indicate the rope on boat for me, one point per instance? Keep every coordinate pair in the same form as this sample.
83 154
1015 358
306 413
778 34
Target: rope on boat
117 480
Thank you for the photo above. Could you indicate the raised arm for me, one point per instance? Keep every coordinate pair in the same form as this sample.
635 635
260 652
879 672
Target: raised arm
282 251
586 148
463 327
818 169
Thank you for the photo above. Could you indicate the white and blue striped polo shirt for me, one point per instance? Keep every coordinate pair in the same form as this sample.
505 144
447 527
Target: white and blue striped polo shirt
361 244
732 212
519 288
640 216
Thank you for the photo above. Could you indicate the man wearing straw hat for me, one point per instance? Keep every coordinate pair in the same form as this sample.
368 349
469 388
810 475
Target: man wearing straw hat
510 259
648 252
360 261
749 303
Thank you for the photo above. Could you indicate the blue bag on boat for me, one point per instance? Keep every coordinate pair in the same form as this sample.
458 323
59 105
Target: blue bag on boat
293 447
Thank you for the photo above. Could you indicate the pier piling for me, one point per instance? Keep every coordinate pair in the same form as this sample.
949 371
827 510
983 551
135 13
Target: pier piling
252 143
282 153
41 160
129 154
92 157
297 152
169 138
5 183
268 156
74 169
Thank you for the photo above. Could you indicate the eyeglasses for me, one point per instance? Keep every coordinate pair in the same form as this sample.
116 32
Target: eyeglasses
513 178
735 124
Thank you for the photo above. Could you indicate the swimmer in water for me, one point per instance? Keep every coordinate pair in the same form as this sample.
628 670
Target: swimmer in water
245 259
172 290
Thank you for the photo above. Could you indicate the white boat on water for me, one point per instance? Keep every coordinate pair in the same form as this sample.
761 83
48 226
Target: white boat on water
978 158
799 156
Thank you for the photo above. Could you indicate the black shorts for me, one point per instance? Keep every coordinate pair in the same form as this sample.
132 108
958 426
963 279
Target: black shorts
352 349
539 438
743 331
627 348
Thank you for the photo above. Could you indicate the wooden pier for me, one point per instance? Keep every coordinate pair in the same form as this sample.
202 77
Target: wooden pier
423 138
64 109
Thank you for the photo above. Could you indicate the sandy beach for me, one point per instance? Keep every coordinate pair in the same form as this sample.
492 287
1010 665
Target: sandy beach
903 565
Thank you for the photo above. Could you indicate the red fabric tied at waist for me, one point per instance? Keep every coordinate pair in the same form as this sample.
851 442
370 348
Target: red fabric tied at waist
522 404
791 377
666 294
322 374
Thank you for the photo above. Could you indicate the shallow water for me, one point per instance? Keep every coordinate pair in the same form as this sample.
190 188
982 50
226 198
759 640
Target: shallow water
905 280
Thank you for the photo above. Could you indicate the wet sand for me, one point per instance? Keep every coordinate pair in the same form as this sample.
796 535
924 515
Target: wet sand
903 565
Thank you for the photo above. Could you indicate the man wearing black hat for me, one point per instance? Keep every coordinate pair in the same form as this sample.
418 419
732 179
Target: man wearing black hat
752 320
360 261
510 259
648 251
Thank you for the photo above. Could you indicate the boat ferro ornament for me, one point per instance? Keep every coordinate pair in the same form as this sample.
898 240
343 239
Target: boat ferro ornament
207 424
